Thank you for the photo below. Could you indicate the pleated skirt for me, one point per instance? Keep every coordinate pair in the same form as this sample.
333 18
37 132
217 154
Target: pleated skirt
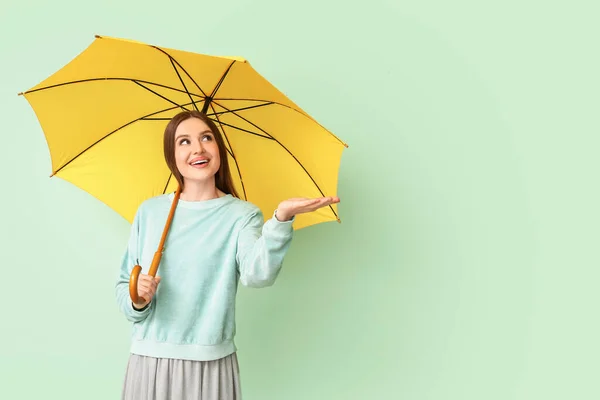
149 378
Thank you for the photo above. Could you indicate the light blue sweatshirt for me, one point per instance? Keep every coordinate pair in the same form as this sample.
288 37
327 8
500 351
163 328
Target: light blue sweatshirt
211 246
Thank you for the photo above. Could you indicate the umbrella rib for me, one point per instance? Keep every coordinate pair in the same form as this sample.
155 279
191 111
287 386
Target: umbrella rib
173 60
161 96
213 94
251 123
217 87
107 79
242 129
241 109
182 83
286 149
232 156
286 106
108 134
168 181
246 99
214 120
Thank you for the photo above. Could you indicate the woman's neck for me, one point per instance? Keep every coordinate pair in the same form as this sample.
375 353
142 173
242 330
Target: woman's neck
199 191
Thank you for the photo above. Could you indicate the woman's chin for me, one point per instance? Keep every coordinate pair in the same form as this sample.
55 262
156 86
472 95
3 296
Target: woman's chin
199 177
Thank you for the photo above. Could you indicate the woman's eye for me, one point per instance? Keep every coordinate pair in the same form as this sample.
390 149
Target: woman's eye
184 141
206 138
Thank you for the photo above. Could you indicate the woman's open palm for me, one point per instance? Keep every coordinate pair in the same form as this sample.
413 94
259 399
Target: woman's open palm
299 205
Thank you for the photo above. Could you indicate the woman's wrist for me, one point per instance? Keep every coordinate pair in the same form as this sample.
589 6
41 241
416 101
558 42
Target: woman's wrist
282 216
139 307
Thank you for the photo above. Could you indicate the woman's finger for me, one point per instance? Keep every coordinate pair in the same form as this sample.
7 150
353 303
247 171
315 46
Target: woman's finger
145 283
144 288
318 203
150 287
149 279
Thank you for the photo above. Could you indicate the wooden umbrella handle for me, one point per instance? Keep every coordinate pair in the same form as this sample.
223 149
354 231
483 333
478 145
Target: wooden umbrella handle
135 273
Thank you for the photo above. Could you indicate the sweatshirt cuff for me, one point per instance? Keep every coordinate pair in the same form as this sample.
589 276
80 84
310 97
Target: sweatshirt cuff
281 229
140 309
139 313
282 222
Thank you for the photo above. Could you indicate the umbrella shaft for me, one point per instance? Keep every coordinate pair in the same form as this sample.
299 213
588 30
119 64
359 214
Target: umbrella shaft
155 263
206 104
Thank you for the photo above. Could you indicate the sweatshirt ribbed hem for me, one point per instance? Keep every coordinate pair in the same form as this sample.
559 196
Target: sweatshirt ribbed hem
183 351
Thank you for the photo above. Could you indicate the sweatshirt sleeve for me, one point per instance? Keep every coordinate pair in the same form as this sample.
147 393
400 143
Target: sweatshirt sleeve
261 248
128 261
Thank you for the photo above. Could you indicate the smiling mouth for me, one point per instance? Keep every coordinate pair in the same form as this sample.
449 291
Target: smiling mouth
199 162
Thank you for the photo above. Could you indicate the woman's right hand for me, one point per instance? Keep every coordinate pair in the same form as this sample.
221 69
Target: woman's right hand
147 286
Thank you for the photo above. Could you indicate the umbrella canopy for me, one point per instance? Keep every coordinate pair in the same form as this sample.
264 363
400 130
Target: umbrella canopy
104 114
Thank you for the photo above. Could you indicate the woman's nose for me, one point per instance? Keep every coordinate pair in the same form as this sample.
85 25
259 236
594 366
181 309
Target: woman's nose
198 147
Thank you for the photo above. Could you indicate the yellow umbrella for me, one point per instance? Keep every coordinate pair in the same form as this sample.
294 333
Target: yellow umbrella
104 114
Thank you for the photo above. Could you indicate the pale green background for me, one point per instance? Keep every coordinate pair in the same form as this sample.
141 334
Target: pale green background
466 265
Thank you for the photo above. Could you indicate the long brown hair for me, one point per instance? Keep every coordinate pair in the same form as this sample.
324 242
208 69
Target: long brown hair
223 179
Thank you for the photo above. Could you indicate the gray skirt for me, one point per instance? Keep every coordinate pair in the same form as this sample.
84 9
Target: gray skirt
149 378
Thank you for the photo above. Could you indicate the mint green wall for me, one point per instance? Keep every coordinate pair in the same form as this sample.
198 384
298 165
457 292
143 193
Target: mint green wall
466 265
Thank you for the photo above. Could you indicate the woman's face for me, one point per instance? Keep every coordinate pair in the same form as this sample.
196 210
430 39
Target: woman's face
196 151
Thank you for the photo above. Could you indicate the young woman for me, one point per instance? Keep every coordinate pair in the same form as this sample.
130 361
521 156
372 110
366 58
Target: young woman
182 344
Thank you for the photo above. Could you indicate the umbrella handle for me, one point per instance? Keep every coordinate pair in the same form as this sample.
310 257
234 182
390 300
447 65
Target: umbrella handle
135 273
133 283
